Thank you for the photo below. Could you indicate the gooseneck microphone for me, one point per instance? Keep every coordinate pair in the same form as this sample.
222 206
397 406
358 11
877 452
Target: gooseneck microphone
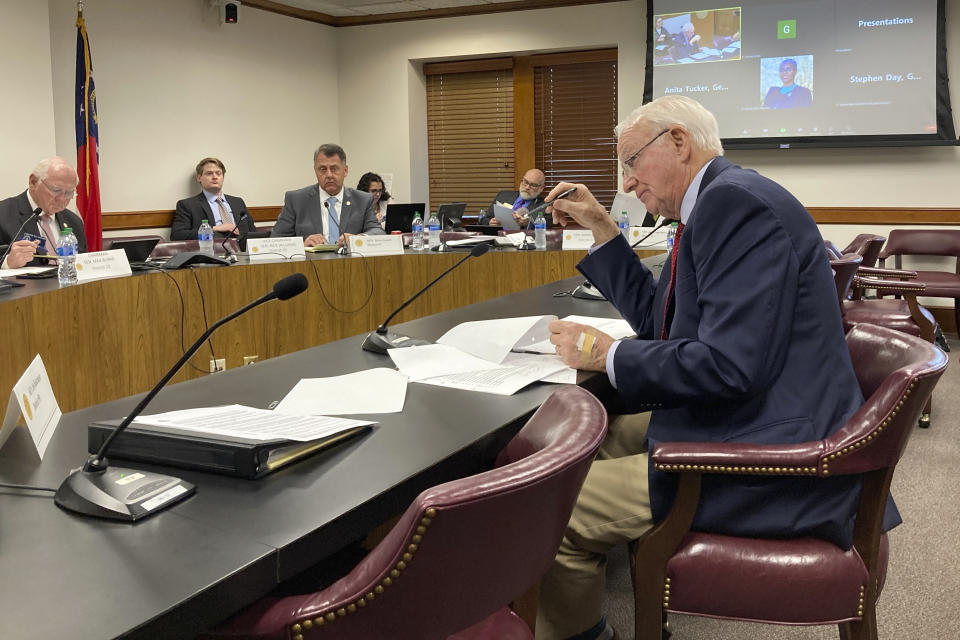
241 238
13 238
98 489
380 340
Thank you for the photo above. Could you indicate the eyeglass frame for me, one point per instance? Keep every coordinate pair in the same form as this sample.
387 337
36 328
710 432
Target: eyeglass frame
532 185
627 165
57 192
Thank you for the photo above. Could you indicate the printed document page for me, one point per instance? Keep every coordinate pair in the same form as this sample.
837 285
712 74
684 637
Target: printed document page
378 390
248 422
616 328
493 339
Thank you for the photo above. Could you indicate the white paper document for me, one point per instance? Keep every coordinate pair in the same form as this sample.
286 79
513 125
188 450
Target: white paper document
248 422
6 273
616 328
378 390
493 339
476 356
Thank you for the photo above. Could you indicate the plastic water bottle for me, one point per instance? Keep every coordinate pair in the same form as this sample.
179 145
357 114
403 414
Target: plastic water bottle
417 227
205 237
671 232
67 257
540 231
624 223
434 226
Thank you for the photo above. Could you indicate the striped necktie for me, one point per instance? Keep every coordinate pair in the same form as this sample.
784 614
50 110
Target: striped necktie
667 316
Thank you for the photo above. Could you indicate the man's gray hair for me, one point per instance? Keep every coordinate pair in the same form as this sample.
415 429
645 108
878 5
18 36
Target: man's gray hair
670 110
42 170
330 150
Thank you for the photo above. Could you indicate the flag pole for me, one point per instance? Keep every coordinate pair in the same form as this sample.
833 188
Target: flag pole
80 8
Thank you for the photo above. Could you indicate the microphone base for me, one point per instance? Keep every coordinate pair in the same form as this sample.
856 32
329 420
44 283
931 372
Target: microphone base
123 494
380 342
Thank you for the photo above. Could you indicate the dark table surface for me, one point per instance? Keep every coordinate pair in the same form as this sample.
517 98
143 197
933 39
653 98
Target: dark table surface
186 568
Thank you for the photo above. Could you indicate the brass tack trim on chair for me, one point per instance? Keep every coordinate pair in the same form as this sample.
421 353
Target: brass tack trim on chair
717 468
860 604
320 621
666 593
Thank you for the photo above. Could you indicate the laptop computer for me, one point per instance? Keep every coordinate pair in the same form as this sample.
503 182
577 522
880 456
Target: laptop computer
137 250
451 214
400 216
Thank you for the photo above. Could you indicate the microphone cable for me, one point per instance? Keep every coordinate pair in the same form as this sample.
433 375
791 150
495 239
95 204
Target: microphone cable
366 301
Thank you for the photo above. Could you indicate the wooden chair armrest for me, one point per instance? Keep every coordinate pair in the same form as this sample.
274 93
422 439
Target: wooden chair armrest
887 273
898 287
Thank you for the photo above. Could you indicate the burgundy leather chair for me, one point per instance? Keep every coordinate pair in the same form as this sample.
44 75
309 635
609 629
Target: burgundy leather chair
462 551
867 245
929 242
173 247
802 581
903 313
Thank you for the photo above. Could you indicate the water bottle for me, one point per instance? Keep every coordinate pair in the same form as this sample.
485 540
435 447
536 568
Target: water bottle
540 231
434 226
624 223
205 237
417 227
67 257
671 232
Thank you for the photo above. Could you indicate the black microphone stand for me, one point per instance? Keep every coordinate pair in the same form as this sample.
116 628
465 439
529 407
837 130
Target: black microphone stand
382 339
526 245
13 238
117 493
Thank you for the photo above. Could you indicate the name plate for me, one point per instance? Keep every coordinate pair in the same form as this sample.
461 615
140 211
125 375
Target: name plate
260 249
577 239
388 245
32 397
102 264
657 239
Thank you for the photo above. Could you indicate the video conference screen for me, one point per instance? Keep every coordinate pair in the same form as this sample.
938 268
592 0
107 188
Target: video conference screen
806 72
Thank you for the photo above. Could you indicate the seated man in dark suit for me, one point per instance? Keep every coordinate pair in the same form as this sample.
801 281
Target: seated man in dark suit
51 186
326 212
522 200
732 344
227 215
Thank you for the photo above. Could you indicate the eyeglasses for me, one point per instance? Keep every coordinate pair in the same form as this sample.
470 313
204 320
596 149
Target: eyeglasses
57 192
532 185
629 162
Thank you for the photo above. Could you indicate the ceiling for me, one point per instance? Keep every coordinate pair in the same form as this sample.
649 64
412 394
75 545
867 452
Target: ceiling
343 13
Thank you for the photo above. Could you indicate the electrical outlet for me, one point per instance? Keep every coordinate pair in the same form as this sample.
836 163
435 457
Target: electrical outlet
220 364
250 359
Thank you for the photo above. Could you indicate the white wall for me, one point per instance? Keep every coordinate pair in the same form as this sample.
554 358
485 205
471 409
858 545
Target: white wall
175 85
26 110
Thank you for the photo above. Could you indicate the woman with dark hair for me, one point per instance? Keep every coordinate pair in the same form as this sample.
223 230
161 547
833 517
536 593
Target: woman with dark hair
373 184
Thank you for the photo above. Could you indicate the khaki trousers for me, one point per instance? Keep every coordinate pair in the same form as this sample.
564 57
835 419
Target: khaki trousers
613 508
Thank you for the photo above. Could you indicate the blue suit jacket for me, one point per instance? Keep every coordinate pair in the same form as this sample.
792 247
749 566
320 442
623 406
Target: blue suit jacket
755 353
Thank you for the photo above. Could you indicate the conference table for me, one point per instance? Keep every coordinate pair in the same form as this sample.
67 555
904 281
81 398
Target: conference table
111 338
185 569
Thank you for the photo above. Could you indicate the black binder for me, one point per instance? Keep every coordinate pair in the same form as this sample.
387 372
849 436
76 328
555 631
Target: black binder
228 455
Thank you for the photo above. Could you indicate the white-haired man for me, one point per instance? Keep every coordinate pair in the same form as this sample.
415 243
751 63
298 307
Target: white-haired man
732 343
51 186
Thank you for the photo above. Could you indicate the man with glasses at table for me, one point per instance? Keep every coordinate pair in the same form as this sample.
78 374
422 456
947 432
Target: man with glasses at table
740 340
51 186
528 196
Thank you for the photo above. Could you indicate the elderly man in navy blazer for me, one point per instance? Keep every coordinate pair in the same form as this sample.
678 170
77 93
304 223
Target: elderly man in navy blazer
326 212
226 215
740 340
40 212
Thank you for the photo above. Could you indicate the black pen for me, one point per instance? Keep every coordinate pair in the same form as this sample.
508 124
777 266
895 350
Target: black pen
541 207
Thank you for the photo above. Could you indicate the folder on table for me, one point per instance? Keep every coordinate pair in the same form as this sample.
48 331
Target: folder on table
229 455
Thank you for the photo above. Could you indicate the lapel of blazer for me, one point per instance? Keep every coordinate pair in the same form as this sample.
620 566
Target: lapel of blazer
346 207
205 207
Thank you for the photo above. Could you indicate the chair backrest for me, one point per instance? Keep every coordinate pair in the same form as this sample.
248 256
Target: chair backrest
844 270
174 247
897 373
867 245
922 242
108 242
466 548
